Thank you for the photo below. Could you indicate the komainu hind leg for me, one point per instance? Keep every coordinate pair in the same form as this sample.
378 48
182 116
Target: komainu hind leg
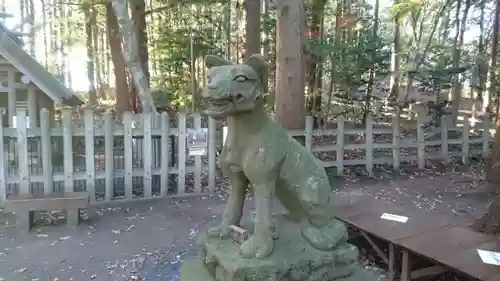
321 230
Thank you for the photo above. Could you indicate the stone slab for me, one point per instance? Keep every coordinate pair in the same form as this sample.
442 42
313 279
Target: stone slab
292 260
195 270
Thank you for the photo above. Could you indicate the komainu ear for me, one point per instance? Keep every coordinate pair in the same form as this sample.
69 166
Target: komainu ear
213 60
260 65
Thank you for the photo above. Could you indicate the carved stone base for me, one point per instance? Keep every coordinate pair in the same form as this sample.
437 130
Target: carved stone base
292 260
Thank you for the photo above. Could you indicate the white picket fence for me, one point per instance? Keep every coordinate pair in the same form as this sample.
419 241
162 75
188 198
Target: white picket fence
127 174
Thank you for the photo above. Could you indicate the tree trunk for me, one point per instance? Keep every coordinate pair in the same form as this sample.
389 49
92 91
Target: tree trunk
60 37
395 60
32 34
457 53
139 18
121 85
371 78
53 37
90 20
44 30
69 26
481 66
266 46
290 64
493 62
131 54
314 71
252 27
98 63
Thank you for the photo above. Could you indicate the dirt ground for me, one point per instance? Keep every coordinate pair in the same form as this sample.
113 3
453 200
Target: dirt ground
147 240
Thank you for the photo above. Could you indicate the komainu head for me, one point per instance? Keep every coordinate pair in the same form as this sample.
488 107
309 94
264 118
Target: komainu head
233 89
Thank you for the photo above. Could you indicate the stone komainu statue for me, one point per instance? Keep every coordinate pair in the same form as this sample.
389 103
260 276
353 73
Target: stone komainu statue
259 153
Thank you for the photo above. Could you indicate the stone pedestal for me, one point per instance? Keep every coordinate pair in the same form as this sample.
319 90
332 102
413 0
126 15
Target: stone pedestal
292 260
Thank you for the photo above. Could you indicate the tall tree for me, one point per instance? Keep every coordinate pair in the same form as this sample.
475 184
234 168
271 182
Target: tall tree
460 25
252 27
314 72
290 64
90 21
44 31
130 54
32 34
138 8
396 58
371 77
119 66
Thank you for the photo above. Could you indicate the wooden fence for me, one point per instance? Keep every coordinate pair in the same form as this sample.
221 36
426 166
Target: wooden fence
129 159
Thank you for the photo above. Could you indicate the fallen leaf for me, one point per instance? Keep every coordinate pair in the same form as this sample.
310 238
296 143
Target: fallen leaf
21 270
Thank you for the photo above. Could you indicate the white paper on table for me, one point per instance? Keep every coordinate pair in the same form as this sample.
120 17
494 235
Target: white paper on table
392 217
489 257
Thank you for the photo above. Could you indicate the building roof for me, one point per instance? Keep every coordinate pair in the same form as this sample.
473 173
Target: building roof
11 49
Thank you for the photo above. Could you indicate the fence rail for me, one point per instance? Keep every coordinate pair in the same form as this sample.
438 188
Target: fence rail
132 158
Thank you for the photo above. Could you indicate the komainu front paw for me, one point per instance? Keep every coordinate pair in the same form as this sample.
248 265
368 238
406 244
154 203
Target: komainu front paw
257 246
221 231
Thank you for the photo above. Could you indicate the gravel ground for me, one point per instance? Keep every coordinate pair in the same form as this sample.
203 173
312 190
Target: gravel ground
148 240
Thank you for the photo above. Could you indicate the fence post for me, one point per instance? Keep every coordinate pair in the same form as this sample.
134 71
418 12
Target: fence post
181 180
396 143
444 140
165 149
465 140
3 179
22 153
46 142
68 150
211 154
369 144
148 155
197 159
340 145
308 133
88 119
486 135
420 142
108 156
128 156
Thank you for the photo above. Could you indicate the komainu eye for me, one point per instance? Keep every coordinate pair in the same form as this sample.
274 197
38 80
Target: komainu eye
209 79
241 78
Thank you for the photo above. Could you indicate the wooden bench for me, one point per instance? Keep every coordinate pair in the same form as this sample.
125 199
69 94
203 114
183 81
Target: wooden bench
24 207
442 240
